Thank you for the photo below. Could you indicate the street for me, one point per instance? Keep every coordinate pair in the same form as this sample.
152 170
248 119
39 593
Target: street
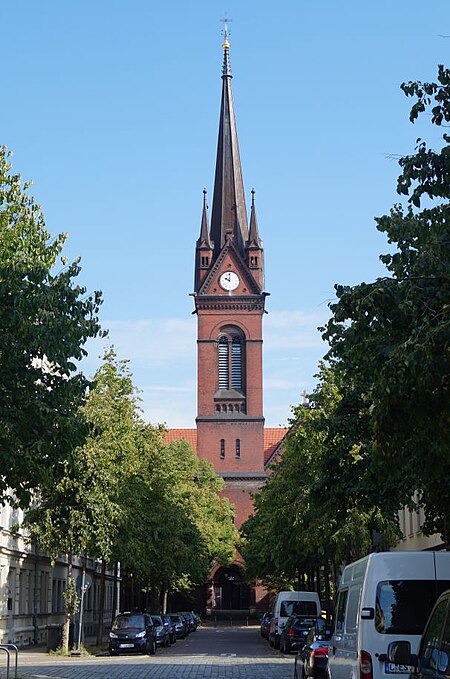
209 653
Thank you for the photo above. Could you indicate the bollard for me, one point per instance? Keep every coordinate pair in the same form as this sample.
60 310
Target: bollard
215 621
246 622
231 622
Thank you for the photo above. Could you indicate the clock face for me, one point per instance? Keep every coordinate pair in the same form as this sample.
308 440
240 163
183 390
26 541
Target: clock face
229 280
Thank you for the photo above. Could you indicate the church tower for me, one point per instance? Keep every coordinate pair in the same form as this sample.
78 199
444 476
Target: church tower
229 302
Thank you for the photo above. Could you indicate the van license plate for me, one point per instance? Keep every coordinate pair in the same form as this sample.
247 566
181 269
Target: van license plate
126 645
394 668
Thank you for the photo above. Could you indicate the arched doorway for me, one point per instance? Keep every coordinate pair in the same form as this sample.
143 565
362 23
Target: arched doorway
231 593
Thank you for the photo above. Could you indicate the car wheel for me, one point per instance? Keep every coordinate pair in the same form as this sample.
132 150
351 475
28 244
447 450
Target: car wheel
287 647
271 642
114 653
152 650
276 643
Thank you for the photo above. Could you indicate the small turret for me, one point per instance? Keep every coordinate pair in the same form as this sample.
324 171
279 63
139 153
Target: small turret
255 253
204 248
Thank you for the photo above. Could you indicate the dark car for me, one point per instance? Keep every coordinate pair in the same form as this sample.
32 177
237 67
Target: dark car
161 631
181 625
132 632
265 624
191 619
432 660
167 620
295 631
312 659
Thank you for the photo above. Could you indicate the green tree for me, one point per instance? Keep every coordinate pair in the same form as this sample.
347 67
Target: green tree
394 334
45 320
172 500
78 511
319 507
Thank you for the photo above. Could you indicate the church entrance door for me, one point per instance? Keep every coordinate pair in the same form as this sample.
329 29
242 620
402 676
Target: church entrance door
231 593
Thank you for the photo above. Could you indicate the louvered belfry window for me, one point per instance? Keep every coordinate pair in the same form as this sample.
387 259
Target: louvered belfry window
231 359
236 363
224 363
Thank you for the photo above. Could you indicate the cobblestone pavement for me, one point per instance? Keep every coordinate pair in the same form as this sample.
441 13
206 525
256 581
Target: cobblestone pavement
222 653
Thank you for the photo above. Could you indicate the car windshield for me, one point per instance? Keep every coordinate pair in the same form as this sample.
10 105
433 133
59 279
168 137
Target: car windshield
302 623
129 621
175 618
297 607
157 620
403 606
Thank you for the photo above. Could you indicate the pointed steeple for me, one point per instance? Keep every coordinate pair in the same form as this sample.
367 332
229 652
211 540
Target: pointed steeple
253 236
229 214
204 239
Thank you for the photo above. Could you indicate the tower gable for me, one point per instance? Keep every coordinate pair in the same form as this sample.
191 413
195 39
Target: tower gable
229 260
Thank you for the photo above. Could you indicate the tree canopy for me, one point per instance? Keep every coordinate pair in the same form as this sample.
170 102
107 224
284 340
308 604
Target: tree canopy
45 320
394 334
375 433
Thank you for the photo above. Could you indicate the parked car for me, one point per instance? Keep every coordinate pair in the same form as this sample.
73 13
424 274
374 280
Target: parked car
132 632
295 631
312 659
167 620
265 625
161 631
432 659
192 620
181 625
291 603
382 598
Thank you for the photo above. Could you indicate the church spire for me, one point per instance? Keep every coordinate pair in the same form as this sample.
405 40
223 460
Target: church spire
229 215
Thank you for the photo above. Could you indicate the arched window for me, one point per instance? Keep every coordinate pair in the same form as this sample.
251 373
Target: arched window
231 359
238 448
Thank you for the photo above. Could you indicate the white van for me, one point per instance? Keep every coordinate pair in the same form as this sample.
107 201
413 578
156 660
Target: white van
382 598
291 603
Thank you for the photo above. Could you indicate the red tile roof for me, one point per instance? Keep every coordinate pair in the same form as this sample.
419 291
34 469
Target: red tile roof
190 435
272 439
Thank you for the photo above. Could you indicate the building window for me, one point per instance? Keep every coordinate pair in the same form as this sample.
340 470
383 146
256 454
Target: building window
231 359
205 261
222 449
238 448
253 261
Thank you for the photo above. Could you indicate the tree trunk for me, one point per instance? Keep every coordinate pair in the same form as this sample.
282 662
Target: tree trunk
69 604
115 597
164 594
101 605
327 576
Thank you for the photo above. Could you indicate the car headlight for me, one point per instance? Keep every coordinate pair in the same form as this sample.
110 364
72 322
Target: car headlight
113 636
140 635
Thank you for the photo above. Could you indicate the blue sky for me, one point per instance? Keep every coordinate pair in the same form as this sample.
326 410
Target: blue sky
112 109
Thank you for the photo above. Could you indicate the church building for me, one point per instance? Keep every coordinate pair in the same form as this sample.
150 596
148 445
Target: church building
229 297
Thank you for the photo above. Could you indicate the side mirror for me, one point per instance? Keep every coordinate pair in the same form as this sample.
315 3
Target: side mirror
399 653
